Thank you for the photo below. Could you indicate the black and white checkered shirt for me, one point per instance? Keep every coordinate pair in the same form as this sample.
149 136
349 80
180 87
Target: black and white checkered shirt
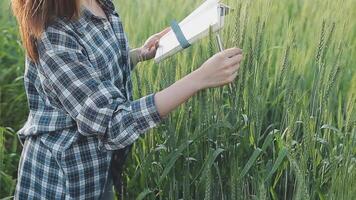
81 108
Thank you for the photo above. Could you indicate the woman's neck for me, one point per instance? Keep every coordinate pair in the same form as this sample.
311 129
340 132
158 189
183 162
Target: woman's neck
94 7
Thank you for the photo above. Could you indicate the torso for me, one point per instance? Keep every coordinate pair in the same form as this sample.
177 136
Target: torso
104 43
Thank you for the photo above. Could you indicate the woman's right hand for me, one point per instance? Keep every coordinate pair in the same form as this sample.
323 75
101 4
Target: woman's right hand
219 70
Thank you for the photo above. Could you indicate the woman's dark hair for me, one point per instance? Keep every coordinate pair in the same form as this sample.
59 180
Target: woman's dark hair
34 15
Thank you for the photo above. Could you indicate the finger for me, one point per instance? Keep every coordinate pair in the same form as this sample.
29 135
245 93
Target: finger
233 69
155 38
236 69
155 45
151 42
234 60
162 33
231 52
233 76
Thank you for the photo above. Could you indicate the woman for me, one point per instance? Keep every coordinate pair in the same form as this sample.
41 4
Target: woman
82 117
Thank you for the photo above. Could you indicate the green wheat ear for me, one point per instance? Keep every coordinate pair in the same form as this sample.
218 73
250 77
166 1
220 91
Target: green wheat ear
285 66
237 26
297 76
321 43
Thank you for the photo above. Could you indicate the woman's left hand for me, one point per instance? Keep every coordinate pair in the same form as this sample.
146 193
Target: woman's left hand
148 50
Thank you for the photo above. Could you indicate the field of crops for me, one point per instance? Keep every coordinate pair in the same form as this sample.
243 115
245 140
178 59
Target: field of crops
286 129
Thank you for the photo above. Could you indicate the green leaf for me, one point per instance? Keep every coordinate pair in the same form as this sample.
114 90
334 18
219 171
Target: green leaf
143 194
173 158
327 126
209 161
281 155
250 162
268 140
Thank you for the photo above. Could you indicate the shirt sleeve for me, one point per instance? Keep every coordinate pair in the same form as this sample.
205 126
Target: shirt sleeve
98 107
132 65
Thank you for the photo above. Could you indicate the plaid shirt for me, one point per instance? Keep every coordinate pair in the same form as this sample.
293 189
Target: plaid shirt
82 115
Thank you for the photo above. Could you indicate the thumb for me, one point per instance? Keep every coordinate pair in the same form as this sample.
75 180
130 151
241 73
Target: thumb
162 33
155 45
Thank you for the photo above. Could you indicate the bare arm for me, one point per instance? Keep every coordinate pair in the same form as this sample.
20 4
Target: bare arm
219 70
176 94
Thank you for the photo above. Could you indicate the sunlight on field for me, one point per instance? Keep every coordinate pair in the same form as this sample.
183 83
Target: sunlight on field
286 129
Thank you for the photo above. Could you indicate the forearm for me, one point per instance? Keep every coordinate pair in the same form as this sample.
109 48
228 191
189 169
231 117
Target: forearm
147 112
221 69
176 94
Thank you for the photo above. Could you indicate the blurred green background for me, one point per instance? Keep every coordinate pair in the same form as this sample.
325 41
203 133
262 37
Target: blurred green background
286 130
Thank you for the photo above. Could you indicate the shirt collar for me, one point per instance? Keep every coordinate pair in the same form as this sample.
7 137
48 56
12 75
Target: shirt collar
86 15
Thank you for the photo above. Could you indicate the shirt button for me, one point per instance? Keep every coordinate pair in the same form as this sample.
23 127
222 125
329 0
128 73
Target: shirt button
106 27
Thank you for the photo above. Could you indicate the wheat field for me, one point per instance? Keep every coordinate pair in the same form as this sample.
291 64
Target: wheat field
285 129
